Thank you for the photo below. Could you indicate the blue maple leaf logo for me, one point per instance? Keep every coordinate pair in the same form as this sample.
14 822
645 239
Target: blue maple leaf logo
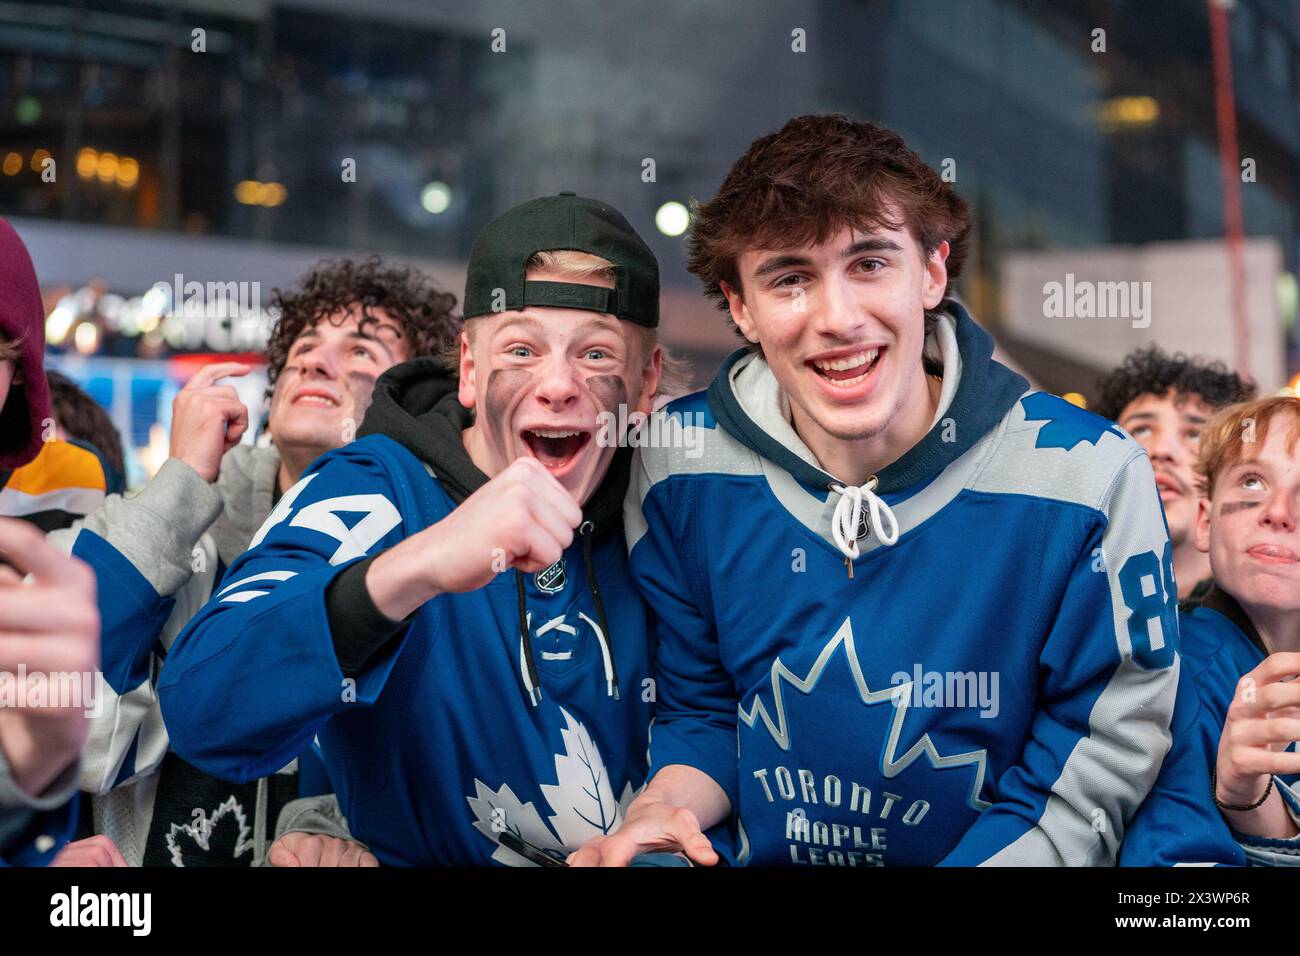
1067 424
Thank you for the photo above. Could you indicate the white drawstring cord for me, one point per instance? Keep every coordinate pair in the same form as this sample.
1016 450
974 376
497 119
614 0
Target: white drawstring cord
848 513
610 689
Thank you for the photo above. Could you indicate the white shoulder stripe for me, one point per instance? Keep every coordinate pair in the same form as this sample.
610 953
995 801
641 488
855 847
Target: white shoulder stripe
264 576
242 596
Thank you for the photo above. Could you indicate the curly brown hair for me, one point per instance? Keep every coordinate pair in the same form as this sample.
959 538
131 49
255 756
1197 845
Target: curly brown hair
421 308
818 174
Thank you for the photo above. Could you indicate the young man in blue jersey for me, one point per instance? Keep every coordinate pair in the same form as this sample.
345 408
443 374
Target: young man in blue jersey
444 605
909 611
1228 792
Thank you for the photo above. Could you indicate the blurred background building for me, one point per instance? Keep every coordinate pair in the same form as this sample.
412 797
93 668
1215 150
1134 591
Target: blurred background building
238 141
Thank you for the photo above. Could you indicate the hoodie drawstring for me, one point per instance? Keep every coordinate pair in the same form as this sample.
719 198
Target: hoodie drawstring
602 632
848 515
528 666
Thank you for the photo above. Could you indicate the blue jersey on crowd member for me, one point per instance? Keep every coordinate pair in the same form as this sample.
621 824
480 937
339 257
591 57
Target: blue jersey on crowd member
434 746
508 714
994 685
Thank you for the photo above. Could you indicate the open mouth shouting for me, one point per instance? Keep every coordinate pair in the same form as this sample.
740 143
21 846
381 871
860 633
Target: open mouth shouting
556 448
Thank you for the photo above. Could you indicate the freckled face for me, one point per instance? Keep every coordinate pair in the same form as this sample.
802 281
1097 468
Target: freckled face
1250 528
539 380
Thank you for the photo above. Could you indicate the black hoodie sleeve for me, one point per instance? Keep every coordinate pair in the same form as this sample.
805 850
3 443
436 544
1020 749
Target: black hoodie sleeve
359 629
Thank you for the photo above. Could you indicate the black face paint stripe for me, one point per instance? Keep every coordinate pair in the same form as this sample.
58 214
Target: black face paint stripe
610 391
503 385
1231 507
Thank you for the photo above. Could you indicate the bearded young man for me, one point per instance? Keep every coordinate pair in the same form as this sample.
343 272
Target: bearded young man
910 612
444 606
160 554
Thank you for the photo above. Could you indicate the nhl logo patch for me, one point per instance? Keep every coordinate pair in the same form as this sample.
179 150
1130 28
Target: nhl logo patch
863 527
551 580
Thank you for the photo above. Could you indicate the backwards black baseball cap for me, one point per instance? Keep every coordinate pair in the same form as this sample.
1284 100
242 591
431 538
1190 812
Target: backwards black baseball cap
498 261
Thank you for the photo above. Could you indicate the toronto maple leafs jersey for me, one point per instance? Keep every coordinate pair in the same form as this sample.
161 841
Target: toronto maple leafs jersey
1179 823
994 687
437 746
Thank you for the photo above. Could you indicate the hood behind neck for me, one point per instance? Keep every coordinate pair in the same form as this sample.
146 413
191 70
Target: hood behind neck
416 405
248 483
977 392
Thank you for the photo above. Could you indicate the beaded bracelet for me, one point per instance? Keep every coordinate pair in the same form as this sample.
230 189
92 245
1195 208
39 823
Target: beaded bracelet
1214 794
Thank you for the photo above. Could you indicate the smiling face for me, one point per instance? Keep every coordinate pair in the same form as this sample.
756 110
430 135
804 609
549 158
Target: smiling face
538 379
1169 427
842 326
1250 526
323 391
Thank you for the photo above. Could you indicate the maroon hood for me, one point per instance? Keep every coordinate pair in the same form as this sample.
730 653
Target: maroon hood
22 316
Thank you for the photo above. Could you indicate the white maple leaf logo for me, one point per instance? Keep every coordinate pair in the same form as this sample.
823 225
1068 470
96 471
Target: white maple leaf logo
582 799
200 830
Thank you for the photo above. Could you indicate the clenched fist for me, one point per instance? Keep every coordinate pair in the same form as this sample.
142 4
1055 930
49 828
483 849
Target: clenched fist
523 518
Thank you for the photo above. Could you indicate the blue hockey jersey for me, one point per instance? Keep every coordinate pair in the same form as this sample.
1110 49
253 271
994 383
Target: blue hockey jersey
1179 823
995 686
441 742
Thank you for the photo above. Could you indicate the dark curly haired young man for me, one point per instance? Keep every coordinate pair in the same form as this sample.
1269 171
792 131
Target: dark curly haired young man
165 549
1165 401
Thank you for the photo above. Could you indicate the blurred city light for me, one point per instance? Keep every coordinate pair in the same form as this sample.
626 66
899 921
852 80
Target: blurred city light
1128 112
435 197
28 110
672 218
106 168
12 164
86 338
251 192
87 162
128 172
60 321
